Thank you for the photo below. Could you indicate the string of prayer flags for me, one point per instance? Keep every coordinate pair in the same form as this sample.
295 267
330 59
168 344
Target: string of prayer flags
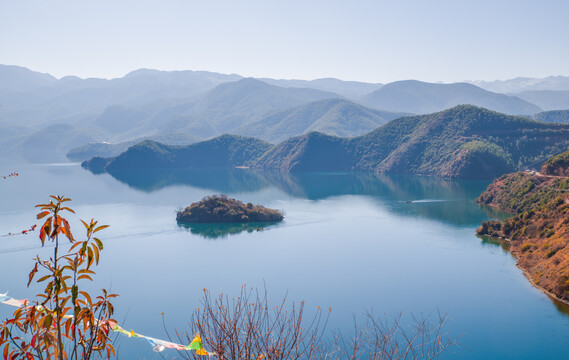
10 175
197 345
158 345
5 299
23 232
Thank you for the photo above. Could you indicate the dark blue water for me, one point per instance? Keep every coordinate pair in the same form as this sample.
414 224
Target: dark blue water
352 242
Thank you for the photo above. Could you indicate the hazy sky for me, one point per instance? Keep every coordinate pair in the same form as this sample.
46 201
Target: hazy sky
375 41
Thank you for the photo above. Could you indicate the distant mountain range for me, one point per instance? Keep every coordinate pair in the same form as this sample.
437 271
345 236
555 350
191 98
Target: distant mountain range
347 89
235 104
103 117
331 116
547 99
462 142
422 98
525 84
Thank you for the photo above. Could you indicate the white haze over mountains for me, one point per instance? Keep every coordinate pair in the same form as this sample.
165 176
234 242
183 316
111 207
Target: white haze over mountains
517 85
42 118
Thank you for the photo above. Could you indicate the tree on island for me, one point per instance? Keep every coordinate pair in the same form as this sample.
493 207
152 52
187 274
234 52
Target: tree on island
220 208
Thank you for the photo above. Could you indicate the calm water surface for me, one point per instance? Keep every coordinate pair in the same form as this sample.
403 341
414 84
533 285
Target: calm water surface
352 242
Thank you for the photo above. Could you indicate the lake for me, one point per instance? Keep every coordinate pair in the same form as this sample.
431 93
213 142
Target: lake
350 241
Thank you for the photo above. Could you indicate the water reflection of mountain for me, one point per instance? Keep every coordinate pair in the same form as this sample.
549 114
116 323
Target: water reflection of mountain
220 180
430 197
222 230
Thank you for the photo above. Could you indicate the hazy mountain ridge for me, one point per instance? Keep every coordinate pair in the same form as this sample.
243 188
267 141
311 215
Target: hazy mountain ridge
336 117
57 138
50 102
19 79
348 89
235 104
423 98
151 104
547 99
520 84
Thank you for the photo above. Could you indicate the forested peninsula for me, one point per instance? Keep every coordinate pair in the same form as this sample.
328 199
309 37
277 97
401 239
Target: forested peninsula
465 142
538 232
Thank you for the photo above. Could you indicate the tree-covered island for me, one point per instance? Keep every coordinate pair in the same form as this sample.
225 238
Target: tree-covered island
221 209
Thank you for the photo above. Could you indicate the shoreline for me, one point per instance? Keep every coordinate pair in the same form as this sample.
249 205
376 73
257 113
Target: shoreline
528 275
540 288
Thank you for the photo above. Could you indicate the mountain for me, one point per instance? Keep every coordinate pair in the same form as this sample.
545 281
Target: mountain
52 142
557 166
235 104
221 152
525 84
311 152
557 116
422 98
107 150
120 119
348 89
462 142
19 79
547 99
70 99
331 116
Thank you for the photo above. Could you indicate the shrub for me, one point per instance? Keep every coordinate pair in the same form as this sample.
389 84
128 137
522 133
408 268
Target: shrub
247 327
64 322
551 252
527 247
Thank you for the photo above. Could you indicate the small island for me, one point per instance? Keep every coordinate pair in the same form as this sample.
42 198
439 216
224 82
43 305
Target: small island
221 209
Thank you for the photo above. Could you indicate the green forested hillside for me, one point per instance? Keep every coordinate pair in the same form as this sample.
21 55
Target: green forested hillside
311 152
465 142
462 142
557 165
223 151
555 116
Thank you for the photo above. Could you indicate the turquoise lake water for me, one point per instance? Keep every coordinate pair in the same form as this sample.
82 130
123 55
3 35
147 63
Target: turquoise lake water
353 242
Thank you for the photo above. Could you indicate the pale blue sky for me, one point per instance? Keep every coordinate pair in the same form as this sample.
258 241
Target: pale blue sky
374 41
